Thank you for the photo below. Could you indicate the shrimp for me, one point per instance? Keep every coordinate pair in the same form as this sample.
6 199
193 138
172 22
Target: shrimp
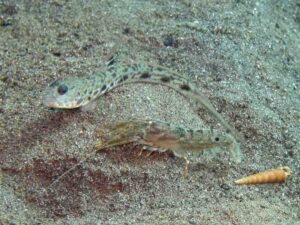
158 136
161 137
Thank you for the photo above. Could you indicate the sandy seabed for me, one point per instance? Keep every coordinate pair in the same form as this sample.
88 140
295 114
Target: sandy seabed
243 55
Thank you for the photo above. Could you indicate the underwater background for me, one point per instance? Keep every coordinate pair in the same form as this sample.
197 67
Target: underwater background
243 55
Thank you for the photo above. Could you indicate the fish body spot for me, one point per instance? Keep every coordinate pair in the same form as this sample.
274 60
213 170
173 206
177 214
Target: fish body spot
165 79
185 87
103 87
145 75
125 77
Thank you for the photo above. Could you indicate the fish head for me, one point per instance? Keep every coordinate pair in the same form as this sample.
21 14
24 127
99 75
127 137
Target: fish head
65 94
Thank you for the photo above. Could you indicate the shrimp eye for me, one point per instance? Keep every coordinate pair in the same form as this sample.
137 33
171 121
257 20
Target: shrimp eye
62 89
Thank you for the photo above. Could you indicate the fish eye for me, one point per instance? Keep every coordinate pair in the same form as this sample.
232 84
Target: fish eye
217 139
62 89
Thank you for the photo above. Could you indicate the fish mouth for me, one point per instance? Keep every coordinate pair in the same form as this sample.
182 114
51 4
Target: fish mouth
50 102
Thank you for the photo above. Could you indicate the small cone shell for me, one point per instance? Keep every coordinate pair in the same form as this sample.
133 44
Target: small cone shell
278 175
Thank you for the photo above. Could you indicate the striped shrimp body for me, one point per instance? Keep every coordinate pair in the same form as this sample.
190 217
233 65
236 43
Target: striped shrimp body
158 136
82 92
